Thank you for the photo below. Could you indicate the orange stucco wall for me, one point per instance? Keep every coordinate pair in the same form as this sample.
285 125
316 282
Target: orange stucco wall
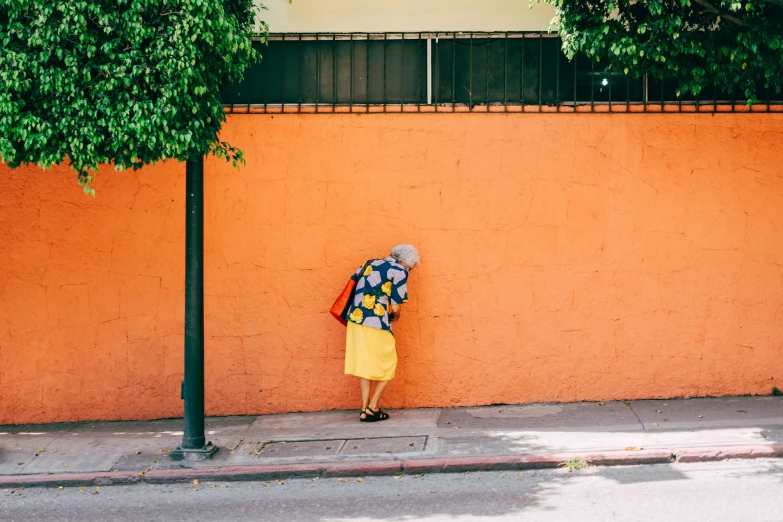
564 257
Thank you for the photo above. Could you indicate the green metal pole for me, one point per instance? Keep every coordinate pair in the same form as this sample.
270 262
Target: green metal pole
193 441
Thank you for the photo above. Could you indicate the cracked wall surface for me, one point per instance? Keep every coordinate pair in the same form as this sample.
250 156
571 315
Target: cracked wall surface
564 257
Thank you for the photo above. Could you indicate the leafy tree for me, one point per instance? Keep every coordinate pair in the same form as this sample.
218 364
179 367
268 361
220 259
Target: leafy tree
728 44
127 82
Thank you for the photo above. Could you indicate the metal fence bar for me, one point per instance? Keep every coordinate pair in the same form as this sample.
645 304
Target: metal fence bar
298 98
385 98
266 85
350 65
505 73
402 75
437 71
486 68
470 75
540 70
576 75
522 73
334 73
317 73
592 85
282 79
418 74
454 73
299 65
557 76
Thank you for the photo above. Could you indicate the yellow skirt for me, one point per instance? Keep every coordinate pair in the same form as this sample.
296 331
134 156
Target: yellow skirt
370 353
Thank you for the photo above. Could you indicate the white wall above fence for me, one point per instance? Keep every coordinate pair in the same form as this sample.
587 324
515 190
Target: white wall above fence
346 16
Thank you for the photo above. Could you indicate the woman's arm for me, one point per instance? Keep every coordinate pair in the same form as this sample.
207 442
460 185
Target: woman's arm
395 315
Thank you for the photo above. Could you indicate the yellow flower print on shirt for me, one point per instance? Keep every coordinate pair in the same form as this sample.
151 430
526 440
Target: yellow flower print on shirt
369 301
357 316
379 309
367 271
386 288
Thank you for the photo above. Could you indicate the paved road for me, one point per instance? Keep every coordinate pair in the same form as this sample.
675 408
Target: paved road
732 491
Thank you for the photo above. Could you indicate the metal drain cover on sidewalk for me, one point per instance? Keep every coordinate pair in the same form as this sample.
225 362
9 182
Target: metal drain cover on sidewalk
316 448
308 448
385 445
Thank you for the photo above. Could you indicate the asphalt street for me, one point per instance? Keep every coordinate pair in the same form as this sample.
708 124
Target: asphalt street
725 491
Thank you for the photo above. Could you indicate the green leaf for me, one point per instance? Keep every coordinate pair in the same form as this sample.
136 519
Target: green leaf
92 82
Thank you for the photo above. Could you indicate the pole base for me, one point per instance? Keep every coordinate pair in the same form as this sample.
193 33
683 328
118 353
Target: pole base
191 454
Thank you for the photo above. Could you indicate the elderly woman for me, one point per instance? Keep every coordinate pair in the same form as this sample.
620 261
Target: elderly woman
370 352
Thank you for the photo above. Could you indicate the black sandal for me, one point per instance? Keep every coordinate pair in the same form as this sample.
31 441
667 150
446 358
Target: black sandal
374 416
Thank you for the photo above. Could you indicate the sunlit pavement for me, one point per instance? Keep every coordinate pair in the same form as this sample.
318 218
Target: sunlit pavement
746 490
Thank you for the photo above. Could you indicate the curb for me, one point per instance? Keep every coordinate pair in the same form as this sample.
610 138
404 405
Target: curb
393 467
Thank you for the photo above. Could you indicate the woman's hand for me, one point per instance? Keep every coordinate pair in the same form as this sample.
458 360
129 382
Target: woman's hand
395 313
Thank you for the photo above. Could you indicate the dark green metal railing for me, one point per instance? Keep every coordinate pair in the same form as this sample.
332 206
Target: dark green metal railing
452 72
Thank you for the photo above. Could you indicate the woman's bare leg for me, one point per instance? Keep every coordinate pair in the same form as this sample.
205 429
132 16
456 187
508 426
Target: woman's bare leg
380 387
365 394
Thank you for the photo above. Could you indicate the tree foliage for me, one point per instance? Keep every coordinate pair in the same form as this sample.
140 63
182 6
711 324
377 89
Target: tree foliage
127 82
733 45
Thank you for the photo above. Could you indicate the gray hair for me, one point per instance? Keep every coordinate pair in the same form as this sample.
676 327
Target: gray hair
406 254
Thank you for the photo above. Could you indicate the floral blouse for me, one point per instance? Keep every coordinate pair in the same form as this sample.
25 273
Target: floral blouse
379 282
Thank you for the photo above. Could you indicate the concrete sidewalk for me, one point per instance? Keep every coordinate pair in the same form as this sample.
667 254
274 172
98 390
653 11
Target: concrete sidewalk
272 447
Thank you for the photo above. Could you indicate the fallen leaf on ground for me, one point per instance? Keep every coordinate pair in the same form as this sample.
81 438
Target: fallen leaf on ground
60 487
52 451
108 498
40 450
224 486
138 453
315 478
154 461
600 403
81 489
160 451
701 416
141 473
65 465
521 473
359 480
212 486
655 423
418 476
447 422
196 482
485 426
249 452
657 411
633 448
665 420
398 476
232 452
628 403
